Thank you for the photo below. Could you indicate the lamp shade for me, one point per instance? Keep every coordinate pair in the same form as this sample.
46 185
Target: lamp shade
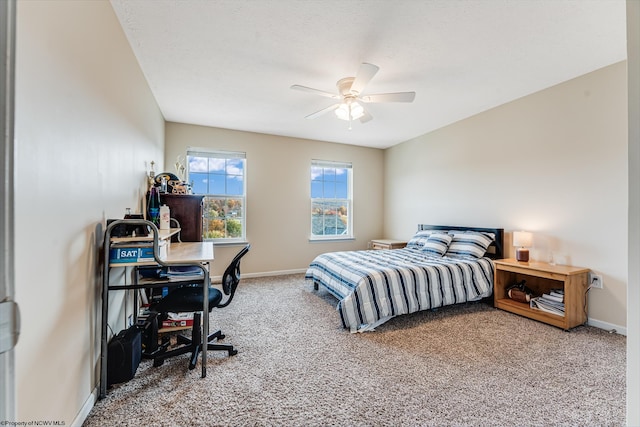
522 239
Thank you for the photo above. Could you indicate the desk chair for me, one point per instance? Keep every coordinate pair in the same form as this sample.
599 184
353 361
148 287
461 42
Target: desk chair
190 299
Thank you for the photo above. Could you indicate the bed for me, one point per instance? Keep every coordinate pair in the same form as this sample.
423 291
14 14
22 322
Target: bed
440 266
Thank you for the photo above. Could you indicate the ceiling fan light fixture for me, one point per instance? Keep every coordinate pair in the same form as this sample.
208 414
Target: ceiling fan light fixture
349 99
356 110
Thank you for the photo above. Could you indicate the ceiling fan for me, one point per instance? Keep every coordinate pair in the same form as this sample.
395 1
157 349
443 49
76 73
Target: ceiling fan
350 96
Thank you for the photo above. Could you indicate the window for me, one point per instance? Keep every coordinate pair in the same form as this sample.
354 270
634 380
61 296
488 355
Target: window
220 176
331 211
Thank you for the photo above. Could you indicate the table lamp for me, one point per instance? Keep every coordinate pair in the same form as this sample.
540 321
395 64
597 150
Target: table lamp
522 240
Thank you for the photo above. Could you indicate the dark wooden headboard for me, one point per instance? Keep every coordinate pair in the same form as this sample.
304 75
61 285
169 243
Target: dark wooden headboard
495 251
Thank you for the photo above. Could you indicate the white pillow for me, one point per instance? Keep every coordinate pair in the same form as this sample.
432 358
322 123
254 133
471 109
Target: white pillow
468 244
420 238
437 244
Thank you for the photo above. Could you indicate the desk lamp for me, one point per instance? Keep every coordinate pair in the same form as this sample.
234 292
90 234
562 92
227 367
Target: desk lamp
522 240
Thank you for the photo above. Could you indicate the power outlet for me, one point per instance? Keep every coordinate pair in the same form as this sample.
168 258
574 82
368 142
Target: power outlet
595 281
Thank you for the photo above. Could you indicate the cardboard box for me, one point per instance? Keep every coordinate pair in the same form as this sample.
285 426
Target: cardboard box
178 320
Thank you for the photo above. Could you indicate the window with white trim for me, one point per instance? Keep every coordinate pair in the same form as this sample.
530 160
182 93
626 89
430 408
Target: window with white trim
220 177
331 205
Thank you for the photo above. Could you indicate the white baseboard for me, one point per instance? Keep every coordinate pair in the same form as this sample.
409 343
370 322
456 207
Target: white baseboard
218 279
86 409
621 330
277 273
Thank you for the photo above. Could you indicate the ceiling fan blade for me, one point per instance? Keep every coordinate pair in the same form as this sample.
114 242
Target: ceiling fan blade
366 117
390 97
365 74
323 111
316 91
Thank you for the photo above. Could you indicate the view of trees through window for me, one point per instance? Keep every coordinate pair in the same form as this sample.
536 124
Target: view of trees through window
220 177
222 218
329 218
330 199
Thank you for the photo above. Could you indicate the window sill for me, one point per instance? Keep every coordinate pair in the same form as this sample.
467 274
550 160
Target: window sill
230 243
331 239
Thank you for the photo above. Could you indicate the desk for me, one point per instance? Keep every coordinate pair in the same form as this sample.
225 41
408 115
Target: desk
178 254
189 252
162 235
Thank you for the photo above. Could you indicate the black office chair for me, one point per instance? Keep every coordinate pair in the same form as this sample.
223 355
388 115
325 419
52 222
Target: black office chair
190 299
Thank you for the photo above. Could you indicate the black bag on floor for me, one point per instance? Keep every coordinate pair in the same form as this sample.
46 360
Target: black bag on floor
123 355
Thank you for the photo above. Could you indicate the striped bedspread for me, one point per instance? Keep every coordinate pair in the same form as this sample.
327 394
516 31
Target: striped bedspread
373 286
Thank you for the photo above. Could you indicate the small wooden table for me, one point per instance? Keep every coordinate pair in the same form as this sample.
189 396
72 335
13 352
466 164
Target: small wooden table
388 244
542 277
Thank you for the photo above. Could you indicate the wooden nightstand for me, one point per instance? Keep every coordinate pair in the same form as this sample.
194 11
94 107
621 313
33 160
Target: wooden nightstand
387 244
541 277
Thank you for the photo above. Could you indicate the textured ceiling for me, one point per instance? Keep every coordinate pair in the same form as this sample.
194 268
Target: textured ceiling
230 63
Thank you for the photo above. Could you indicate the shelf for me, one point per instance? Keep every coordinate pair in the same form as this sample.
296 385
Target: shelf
542 269
173 329
541 278
169 282
523 309
132 264
162 235
178 253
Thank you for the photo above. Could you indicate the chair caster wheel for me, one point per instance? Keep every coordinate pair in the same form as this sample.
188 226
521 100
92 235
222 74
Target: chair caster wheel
233 352
158 362
221 337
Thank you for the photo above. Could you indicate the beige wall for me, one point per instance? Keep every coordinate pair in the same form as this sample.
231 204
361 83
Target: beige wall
633 291
278 191
86 124
554 163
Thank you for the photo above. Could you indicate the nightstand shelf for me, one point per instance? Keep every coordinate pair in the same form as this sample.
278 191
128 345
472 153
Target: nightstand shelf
388 244
541 278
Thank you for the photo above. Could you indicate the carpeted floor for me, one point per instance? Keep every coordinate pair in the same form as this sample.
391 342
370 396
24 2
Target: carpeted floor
468 365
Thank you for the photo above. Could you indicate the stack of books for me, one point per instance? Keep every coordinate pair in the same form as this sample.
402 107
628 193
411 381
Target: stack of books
173 320
182 273
186 275
551 302
178 320
170 274
132 251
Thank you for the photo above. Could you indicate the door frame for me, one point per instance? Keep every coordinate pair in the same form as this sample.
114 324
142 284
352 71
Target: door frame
7 259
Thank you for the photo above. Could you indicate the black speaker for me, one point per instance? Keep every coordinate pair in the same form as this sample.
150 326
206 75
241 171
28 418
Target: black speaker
125 230
123 355
118 230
